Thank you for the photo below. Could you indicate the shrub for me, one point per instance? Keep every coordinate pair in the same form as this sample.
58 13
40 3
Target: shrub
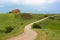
51 17
26 16
36 26
58 19
10 12
9 29
45 15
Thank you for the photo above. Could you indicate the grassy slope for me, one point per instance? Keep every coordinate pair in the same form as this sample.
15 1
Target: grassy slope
51 28
5 21
10 20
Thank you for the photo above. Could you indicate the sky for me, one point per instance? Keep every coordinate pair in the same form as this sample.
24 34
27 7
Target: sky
31 6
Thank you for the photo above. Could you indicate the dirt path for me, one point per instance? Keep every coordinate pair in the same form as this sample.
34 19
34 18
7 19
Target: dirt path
28 34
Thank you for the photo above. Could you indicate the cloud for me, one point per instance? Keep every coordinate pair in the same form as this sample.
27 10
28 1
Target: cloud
34 2
39 2
52 1
10 1
30 2
15 1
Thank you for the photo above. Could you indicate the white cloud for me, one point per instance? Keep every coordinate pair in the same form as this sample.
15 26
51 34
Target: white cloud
10 1
35 2
15 1
31 2
39 2
52 1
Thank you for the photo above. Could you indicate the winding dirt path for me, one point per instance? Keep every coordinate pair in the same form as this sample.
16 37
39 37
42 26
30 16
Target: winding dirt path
28 34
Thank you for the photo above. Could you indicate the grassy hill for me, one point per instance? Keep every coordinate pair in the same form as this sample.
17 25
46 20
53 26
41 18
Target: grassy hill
50 27
12 25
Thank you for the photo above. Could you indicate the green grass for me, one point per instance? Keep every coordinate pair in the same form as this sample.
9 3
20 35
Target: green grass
12 20
51 27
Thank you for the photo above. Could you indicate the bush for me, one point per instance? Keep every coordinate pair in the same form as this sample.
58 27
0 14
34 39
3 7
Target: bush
36 26
26 16
9 29
10 12
51 17
58 19
45 15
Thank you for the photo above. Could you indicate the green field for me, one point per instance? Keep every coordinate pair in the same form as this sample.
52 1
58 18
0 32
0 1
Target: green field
51 27
15 21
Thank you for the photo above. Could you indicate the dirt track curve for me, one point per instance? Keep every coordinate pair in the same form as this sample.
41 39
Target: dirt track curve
28 34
